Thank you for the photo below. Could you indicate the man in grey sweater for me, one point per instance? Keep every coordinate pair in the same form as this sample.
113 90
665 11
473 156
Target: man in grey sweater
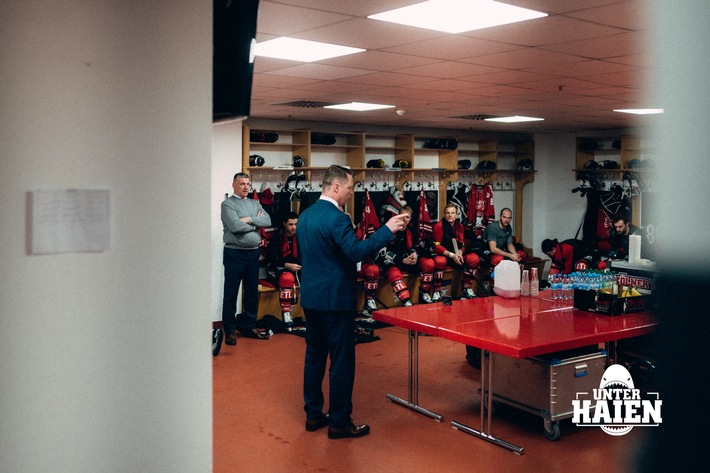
242 217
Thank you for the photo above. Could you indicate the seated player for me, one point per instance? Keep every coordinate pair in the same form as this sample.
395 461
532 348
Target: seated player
449 250
498 237
284 264
619 237
403 254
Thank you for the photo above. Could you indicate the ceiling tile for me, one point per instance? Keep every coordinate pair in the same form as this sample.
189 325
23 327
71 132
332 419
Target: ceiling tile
596 50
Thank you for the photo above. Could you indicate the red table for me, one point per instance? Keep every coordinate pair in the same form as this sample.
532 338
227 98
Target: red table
520 328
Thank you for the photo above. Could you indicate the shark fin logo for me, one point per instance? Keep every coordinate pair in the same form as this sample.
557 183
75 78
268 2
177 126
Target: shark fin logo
618 406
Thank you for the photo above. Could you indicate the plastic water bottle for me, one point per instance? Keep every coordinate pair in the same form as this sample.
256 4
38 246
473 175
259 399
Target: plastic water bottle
556 287
534 283
525 284
567 290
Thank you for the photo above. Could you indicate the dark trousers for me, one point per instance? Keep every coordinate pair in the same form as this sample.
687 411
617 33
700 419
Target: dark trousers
240 266
329 333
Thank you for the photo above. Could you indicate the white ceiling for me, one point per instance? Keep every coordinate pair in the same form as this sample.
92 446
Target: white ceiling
570 68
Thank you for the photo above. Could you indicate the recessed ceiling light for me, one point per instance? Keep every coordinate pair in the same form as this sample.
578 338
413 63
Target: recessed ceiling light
640 111
457 16
514 119
359 106
301 49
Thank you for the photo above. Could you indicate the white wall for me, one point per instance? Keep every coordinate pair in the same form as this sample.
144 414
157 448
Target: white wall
104 356
556 211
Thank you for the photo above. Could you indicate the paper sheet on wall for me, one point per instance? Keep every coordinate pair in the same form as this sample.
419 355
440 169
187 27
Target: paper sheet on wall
69 220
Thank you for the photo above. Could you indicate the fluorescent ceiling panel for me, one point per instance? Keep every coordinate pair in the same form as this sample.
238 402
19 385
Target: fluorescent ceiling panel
514 119
640 111
358 106
457 16
302 50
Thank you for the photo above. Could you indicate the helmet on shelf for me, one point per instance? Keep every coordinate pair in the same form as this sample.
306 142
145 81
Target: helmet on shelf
256 160
486 166
525 165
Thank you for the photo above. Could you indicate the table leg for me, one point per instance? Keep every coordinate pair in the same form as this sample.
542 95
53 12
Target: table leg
487 401
413 400
611 355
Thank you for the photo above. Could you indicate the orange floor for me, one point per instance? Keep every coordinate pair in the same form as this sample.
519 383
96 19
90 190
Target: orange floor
259 418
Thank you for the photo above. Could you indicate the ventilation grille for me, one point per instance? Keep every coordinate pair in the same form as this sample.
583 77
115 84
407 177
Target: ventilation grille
476 117
306 104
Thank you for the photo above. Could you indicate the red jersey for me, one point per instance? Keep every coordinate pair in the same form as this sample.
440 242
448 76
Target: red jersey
481 210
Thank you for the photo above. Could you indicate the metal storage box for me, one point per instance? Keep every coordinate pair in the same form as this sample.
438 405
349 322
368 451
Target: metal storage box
546 385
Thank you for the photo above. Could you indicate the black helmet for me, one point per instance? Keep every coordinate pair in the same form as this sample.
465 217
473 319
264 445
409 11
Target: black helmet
591 164
525 165
256 160
486 166
610 164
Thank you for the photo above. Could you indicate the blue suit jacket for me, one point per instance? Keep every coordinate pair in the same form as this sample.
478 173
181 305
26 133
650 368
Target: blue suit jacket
329 252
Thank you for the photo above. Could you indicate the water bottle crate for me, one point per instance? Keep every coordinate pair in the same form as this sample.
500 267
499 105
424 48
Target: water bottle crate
610 304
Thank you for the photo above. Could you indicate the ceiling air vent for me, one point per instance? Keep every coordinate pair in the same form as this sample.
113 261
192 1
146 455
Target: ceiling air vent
478 116
307 104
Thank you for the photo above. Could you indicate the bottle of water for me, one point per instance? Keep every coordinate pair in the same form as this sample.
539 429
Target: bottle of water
556 287
567 290
534 283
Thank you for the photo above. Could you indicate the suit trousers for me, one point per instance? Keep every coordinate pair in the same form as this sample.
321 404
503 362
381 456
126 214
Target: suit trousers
329 333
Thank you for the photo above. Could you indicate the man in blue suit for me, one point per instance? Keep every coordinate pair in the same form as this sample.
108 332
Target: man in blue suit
330 252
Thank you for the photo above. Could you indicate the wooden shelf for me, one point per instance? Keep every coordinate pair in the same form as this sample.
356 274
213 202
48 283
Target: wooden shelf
355 149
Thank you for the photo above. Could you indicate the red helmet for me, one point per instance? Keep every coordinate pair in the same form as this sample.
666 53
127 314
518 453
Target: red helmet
581 265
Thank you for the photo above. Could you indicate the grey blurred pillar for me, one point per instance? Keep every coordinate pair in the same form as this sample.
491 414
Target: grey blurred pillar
679 40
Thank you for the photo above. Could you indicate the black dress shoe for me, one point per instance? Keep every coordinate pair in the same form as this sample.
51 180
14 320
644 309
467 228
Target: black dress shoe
349 431
230 339
314 424
255 333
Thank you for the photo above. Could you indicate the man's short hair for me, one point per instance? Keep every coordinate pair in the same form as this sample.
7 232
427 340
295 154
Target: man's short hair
243 175
335 173
452 205
621 216
503 210
290 216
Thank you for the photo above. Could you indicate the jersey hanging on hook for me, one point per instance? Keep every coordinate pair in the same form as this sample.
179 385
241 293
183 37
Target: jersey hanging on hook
481 208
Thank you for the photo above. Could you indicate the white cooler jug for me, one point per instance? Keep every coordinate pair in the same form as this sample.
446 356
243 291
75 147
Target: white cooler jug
507 279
